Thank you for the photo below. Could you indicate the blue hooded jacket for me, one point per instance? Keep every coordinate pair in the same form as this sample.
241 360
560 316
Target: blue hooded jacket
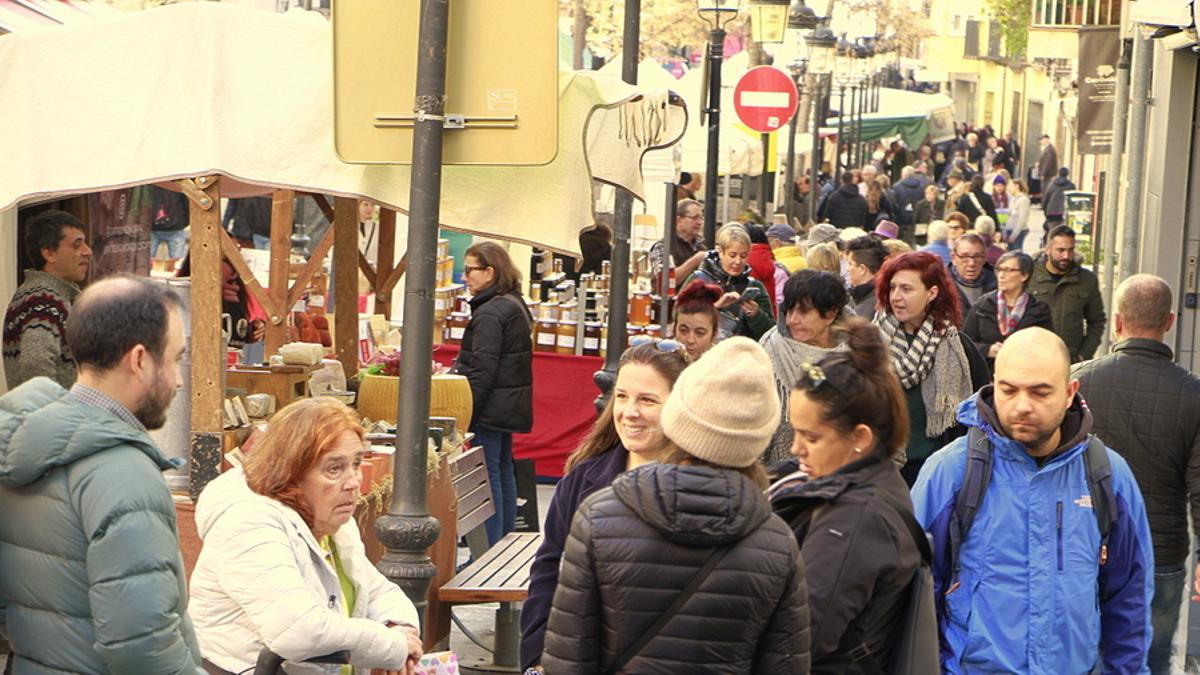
1032 596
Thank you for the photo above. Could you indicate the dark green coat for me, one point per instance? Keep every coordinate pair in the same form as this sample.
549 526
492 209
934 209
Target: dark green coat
91 577
1074 300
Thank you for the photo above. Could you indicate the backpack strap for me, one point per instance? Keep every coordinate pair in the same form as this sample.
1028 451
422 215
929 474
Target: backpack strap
976 477
1100 486
663 619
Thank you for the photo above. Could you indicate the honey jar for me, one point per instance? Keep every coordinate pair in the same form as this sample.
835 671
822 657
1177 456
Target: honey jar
593 332
545 339
566 337
456 325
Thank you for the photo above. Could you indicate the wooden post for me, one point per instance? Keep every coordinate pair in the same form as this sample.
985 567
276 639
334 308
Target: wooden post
383 264
345 276
282 208
208 355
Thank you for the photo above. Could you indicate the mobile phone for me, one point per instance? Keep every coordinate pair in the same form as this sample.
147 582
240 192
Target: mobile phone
751 293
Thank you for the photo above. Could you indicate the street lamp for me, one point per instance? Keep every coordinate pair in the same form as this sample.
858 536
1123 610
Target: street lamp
768 20
822 49
717 13
797 69
843 67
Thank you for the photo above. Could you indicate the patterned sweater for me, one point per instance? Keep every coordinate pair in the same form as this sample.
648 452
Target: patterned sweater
35 338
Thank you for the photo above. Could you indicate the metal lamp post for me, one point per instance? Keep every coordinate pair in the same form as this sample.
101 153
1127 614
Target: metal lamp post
822 48
799 17
768 23
717 13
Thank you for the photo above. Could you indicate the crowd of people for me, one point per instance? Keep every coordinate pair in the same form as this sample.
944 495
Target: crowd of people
745 502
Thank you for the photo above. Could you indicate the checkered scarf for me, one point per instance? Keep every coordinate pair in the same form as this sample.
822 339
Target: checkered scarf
912 362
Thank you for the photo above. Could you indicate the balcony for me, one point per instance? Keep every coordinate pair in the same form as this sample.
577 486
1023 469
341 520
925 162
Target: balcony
1075 13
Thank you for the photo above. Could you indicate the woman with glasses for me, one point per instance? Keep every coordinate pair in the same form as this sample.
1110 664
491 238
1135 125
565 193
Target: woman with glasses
680 566
938 366
850 421
696 318
745 307
627 434
1007 309
496 356
813 303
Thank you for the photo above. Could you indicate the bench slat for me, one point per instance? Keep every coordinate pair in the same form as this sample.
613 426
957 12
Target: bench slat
501 575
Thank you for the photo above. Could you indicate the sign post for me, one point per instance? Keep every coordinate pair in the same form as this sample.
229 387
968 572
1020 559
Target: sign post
764 99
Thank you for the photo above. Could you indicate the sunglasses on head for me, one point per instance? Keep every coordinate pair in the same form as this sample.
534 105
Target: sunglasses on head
663 344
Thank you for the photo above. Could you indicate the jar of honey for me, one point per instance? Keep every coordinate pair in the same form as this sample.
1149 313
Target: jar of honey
566 337
640 309
568 311
545 339
456 325
592 334
632 332
654 330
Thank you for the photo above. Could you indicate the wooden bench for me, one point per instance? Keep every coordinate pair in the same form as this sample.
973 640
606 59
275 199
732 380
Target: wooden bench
499 575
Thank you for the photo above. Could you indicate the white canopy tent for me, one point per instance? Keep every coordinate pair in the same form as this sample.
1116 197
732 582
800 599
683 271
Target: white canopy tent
209 88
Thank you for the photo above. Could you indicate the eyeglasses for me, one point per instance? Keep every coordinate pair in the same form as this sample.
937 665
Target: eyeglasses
694 216
1008 270
467 269
973 258
663 344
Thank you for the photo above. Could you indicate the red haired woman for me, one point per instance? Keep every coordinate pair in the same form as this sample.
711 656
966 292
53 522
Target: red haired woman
937 366
696 317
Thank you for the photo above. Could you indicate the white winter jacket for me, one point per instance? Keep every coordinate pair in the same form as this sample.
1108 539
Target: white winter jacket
262 579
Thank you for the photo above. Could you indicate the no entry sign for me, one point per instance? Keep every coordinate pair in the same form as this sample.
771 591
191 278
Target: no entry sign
765 98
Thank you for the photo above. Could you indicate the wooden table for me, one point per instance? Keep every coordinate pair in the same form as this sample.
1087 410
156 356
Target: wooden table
285 383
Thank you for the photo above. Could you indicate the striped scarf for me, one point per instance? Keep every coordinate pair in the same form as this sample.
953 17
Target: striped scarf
1008 318
912 362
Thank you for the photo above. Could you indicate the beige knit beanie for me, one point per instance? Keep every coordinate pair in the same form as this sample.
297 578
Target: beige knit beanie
723 408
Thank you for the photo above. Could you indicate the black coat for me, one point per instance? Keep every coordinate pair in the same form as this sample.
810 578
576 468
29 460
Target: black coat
967 206
635 546
1147 408
859 559
596 247
845 207
496 356
589 476
982 326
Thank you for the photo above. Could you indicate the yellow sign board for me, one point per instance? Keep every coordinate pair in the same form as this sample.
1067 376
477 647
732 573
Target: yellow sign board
501 81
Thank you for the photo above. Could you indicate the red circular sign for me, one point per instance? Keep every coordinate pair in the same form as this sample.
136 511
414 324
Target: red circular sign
765 98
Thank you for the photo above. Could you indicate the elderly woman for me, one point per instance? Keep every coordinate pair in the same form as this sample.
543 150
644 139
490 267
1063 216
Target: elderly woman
283 566
985 227
937 366
745 307
1007 309
812 303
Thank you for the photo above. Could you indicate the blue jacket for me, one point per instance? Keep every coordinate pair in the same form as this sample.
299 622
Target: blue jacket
1029 598
591 475
939 248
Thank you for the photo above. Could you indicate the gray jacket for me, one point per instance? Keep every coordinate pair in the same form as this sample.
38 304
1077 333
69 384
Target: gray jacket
93 579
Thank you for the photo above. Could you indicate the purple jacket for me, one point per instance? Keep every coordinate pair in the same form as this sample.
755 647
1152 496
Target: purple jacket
590 476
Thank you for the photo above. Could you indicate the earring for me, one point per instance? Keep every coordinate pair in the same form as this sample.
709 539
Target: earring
858 450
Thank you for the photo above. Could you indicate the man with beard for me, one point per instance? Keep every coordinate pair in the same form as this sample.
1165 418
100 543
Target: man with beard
93 579
1034 583
972 276
1072 292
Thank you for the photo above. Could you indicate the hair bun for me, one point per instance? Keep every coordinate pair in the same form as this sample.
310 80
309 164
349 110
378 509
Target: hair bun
865 346
699 291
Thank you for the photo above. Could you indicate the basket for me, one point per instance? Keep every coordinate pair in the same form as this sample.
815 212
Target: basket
449 396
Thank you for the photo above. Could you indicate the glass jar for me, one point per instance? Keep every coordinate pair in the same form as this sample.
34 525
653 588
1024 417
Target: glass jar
546 336
640 309
456 325
593 332
566 337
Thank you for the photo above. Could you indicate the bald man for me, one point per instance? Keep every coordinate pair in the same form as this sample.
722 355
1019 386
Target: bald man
1148 409
1034 590
93 579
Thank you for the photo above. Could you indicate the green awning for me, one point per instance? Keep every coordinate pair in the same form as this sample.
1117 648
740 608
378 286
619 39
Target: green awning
912 128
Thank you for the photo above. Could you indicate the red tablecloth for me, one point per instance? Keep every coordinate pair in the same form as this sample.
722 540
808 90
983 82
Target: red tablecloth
563 410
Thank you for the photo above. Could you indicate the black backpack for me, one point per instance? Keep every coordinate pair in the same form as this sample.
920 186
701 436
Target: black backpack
978 475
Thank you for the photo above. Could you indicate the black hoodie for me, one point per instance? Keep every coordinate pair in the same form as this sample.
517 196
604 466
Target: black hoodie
845 207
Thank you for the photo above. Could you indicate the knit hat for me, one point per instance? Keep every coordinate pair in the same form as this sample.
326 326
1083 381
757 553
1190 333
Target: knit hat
723 409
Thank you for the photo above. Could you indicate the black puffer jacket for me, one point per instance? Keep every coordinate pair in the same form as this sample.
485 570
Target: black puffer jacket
859 559
1147 409
496 357
635 546
845 207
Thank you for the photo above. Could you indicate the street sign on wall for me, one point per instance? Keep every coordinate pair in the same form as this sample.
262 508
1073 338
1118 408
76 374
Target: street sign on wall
501 81
765 98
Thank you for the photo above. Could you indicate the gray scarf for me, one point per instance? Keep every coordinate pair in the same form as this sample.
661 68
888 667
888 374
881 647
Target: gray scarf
930 353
